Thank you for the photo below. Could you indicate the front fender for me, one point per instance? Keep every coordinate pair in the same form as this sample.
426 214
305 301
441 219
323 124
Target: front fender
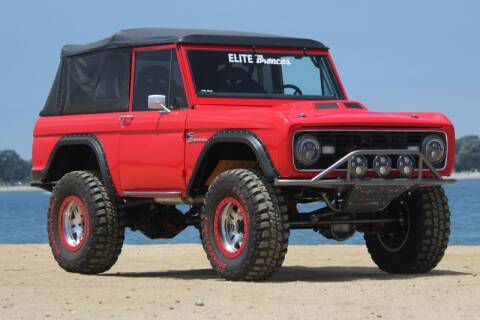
233 136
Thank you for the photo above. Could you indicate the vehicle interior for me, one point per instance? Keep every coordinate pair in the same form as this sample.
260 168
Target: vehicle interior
303 75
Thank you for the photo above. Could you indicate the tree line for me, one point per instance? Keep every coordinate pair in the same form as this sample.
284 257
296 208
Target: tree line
467 153
15 170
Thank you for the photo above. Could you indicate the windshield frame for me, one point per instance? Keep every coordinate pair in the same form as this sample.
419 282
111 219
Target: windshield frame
332 73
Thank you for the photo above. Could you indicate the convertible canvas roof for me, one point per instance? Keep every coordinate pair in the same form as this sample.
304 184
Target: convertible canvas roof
152 36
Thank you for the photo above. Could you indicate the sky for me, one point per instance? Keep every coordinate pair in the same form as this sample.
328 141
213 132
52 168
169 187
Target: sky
392 55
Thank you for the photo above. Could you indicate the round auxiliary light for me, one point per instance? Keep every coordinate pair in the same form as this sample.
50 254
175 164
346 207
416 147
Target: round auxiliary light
307 150
382 164
358 165
406 165
433 148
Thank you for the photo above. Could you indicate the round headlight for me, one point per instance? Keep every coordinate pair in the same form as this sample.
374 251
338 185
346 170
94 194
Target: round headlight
433 148
307 150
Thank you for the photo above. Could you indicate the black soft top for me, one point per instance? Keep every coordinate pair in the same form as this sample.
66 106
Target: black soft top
152 36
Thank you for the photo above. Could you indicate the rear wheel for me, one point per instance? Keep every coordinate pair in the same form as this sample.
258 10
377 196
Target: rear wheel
417 244
244 226
85 230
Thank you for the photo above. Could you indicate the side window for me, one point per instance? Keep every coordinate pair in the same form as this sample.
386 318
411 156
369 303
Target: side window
178 98
152 75
110 86
327 85
95 82
158 72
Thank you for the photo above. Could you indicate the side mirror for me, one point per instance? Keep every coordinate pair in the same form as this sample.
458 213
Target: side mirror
157 102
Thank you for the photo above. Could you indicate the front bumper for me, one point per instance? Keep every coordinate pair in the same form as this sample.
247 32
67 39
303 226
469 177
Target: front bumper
364 195
319 181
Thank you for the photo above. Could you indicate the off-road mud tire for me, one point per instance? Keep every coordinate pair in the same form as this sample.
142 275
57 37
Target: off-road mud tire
104 237
268 228
428 237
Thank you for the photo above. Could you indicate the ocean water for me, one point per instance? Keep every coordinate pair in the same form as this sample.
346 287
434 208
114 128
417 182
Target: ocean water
23 220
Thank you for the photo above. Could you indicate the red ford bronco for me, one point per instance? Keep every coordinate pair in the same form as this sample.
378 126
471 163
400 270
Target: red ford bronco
243 128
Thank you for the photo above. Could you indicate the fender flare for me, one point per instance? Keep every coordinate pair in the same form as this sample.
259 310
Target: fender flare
40 178
235 136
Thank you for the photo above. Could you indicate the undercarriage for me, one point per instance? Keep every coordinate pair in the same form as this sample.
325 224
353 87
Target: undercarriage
364 203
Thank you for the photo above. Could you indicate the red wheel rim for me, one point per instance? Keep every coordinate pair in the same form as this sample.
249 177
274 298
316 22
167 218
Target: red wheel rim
73 223
231 227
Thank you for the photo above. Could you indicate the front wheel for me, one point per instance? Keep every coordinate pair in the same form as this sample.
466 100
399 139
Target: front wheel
417 244
85 230
244 226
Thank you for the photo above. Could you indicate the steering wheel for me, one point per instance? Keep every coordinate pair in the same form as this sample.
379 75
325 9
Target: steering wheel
296 90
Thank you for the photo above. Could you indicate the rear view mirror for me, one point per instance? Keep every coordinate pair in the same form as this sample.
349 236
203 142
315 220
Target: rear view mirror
157 102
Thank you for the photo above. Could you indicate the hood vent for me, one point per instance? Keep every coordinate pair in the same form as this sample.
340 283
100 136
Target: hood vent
326 106
353 105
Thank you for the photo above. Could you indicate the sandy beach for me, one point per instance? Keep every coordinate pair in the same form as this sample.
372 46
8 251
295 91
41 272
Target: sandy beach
175 282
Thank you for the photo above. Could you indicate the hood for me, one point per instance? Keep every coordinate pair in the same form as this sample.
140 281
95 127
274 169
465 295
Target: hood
353 113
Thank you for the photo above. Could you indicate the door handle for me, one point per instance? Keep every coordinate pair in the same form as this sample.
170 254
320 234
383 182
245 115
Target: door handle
125 119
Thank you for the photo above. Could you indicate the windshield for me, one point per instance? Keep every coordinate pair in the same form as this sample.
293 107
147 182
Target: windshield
262 75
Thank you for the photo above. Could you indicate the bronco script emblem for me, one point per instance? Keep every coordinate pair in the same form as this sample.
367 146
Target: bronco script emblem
190 138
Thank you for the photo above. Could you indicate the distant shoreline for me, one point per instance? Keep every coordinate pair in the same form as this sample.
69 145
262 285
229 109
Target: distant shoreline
464 175
18 188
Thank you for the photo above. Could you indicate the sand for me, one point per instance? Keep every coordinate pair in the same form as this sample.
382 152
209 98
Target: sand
176 282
